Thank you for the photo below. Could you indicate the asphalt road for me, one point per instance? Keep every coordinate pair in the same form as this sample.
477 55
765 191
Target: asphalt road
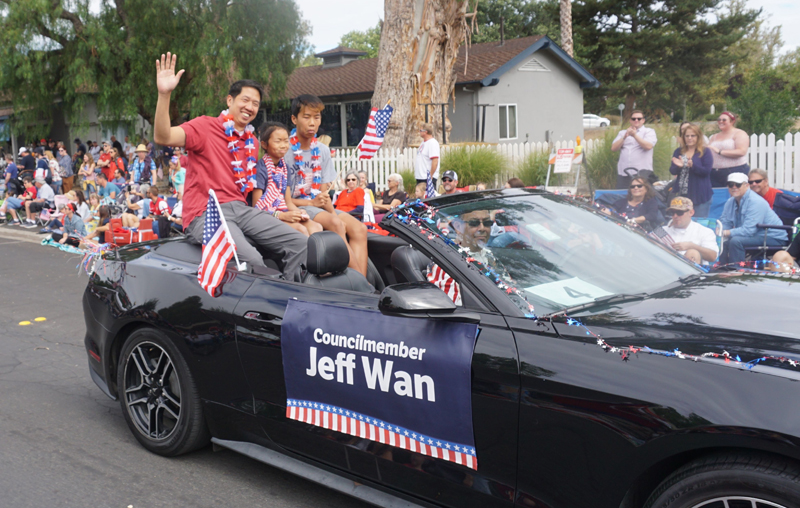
63 443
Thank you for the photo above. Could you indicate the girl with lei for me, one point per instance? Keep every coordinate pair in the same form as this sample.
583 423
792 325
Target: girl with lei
272 194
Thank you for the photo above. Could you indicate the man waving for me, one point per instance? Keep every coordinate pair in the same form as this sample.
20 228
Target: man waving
224 152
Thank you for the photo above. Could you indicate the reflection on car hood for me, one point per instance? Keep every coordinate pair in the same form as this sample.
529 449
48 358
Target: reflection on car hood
740 312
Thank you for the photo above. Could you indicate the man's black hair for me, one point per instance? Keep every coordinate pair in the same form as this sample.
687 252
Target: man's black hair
102 175
236 88
308 100
267 128
77 141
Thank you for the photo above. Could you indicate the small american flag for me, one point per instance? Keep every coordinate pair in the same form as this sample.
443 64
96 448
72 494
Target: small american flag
376 130
430 190
443 281
218 248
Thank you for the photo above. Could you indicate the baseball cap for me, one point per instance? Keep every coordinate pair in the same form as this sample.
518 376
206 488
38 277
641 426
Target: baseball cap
681 204
451 175
23 150
737 178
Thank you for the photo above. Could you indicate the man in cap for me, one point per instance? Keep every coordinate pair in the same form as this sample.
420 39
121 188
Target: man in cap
450 182
743 211
427 161
27 161
696 243
142 169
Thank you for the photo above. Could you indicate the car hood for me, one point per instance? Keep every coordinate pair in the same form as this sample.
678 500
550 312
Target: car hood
734 311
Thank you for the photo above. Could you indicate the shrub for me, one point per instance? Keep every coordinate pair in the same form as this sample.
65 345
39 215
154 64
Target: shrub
409 181
533 169
766 103
711 118
473 164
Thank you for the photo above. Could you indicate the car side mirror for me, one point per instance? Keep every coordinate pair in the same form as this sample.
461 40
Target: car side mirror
421 300
414 297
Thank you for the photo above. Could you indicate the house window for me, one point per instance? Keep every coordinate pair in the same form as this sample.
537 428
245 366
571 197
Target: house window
508 121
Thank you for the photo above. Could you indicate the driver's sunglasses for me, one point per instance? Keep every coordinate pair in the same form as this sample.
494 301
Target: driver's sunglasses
679 213
447 179
474 223
751 182
636 186
734 184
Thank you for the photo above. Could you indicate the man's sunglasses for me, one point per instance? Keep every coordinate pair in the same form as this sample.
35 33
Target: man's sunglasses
477 222
734 184
447 179
636 186
751 182
679 213
637 118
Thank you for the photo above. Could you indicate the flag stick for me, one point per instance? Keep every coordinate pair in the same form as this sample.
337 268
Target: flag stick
239 266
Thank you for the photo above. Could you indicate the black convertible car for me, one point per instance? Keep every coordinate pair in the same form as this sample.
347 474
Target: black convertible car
607 371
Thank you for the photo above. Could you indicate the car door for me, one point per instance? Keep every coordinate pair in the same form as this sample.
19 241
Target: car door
495 390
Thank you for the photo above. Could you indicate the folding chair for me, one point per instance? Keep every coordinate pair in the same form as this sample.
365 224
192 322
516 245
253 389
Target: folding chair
716 226
763 249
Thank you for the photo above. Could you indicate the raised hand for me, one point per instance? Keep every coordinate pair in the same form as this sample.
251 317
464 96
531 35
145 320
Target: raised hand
166 79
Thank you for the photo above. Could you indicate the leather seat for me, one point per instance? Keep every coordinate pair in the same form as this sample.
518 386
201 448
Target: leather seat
410 265
327 264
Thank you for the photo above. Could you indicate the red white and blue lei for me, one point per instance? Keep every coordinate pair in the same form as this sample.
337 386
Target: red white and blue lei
245 176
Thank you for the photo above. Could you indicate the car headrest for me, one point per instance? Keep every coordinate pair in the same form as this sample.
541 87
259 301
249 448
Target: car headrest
327 253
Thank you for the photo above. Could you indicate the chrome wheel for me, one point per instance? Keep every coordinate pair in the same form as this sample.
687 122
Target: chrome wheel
737 502
152 391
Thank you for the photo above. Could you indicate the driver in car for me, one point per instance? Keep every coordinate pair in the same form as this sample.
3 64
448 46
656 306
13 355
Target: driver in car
474 229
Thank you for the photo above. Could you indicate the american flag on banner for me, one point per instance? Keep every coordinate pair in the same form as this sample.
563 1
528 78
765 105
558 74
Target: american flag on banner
218 248
430 190
376 130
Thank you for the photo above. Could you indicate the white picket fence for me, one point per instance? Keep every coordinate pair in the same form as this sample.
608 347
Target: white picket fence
780 158
386 162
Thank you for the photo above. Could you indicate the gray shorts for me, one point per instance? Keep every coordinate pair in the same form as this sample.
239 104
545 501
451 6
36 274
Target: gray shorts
312 211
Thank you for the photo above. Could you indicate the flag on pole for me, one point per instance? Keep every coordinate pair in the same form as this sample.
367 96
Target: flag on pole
218 248
430 190
376 130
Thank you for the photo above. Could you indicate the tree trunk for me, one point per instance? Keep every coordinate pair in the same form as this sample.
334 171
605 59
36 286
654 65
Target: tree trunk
416 63
566 26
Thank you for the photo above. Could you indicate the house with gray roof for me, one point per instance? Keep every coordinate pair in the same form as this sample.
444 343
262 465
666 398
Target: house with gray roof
525 89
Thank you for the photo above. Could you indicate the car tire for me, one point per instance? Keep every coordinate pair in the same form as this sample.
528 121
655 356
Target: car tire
158 396
730 480
603 124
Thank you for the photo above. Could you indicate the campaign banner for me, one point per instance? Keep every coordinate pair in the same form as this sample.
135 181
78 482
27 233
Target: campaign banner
404 382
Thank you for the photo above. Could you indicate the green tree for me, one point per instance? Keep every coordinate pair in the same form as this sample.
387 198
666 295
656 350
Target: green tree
368 40
60 50
521 18
655 54
766 103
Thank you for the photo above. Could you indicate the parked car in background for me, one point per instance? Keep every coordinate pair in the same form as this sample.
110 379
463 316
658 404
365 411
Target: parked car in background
594 121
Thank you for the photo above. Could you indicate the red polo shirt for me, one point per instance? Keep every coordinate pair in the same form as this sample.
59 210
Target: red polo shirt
770 196
211 166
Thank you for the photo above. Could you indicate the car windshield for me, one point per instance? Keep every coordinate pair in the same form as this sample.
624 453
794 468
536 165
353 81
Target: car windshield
552 253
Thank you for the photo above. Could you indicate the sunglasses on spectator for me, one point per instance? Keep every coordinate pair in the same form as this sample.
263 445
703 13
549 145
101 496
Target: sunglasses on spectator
636 186
751 182
637 118
350 180
447 179
679 213
734 184
477 222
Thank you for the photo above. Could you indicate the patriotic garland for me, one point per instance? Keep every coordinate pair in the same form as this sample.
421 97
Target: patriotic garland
245 177
274 197
314 186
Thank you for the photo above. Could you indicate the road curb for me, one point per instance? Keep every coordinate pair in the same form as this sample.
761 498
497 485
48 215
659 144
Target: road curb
22 236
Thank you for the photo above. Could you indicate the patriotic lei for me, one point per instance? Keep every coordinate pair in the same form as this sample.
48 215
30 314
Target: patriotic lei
316 167
279 176
245 177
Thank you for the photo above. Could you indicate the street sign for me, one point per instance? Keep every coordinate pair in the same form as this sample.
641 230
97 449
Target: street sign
621 107
563 162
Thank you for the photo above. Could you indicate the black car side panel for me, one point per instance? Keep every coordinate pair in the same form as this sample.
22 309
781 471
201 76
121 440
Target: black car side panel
144 289
591 423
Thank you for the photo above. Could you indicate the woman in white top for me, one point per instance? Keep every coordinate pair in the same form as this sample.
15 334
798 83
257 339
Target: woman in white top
729 147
